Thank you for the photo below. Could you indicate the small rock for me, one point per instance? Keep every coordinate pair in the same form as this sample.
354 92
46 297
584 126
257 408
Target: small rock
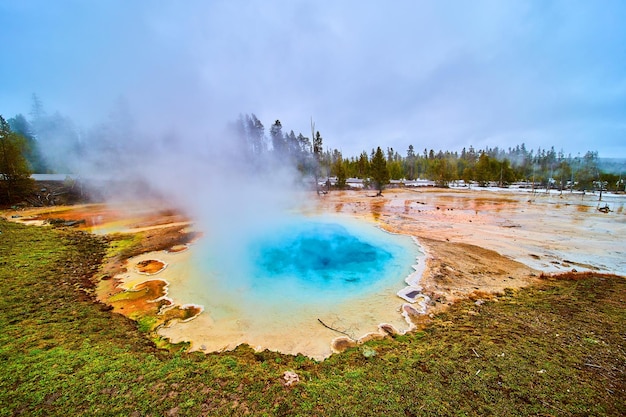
368 352
290 378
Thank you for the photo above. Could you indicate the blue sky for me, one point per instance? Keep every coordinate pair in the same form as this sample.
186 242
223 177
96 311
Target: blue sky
434 74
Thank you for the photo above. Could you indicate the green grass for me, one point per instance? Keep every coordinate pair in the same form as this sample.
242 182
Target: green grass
555 349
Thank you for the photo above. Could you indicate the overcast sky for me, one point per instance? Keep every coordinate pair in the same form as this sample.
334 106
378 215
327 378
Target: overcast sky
435 74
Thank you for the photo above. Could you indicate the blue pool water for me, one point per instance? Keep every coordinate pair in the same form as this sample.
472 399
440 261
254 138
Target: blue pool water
270 284
307 259
319 256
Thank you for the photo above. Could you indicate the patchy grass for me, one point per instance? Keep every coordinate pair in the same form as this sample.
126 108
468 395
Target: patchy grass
124 244
554 349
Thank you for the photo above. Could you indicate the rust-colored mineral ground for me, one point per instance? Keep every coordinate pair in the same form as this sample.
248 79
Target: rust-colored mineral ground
149 299
150 266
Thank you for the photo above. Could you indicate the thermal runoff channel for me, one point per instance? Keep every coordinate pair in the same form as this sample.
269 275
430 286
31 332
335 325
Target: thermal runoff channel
291 273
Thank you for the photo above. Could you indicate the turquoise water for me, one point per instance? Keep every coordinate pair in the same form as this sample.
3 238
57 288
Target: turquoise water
323 258
310 260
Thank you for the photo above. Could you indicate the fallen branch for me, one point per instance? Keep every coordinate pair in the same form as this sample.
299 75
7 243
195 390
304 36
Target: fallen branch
334 330
556 408
593 366
477 355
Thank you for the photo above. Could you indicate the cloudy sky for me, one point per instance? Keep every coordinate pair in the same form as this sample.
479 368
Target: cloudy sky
435 74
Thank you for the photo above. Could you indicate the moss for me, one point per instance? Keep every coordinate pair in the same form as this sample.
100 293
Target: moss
146 324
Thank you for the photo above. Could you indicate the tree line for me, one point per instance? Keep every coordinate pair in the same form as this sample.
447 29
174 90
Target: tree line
308 156
489 166
22 154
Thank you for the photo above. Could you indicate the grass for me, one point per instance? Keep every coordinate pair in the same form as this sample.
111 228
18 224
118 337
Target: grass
553 349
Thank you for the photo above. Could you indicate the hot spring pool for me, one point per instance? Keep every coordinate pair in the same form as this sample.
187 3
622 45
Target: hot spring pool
305 260
270 289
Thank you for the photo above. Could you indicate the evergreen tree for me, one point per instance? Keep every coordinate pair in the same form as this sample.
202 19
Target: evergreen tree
507 175
340 172
305 162
256 133
564 173
305 144
443 171
396 169
15 181
278 141
317 156
363 166
409 171
467 175
482 170
20 125
588 172
292 145
379 171
58 138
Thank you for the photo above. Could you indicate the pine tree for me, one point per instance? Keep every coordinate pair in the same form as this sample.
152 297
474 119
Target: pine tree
256 133
317 155
278 141
340 171
15 181
20 125
363 166
380 173
410 163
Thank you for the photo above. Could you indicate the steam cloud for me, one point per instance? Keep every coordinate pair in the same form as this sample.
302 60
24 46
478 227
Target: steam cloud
212 178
